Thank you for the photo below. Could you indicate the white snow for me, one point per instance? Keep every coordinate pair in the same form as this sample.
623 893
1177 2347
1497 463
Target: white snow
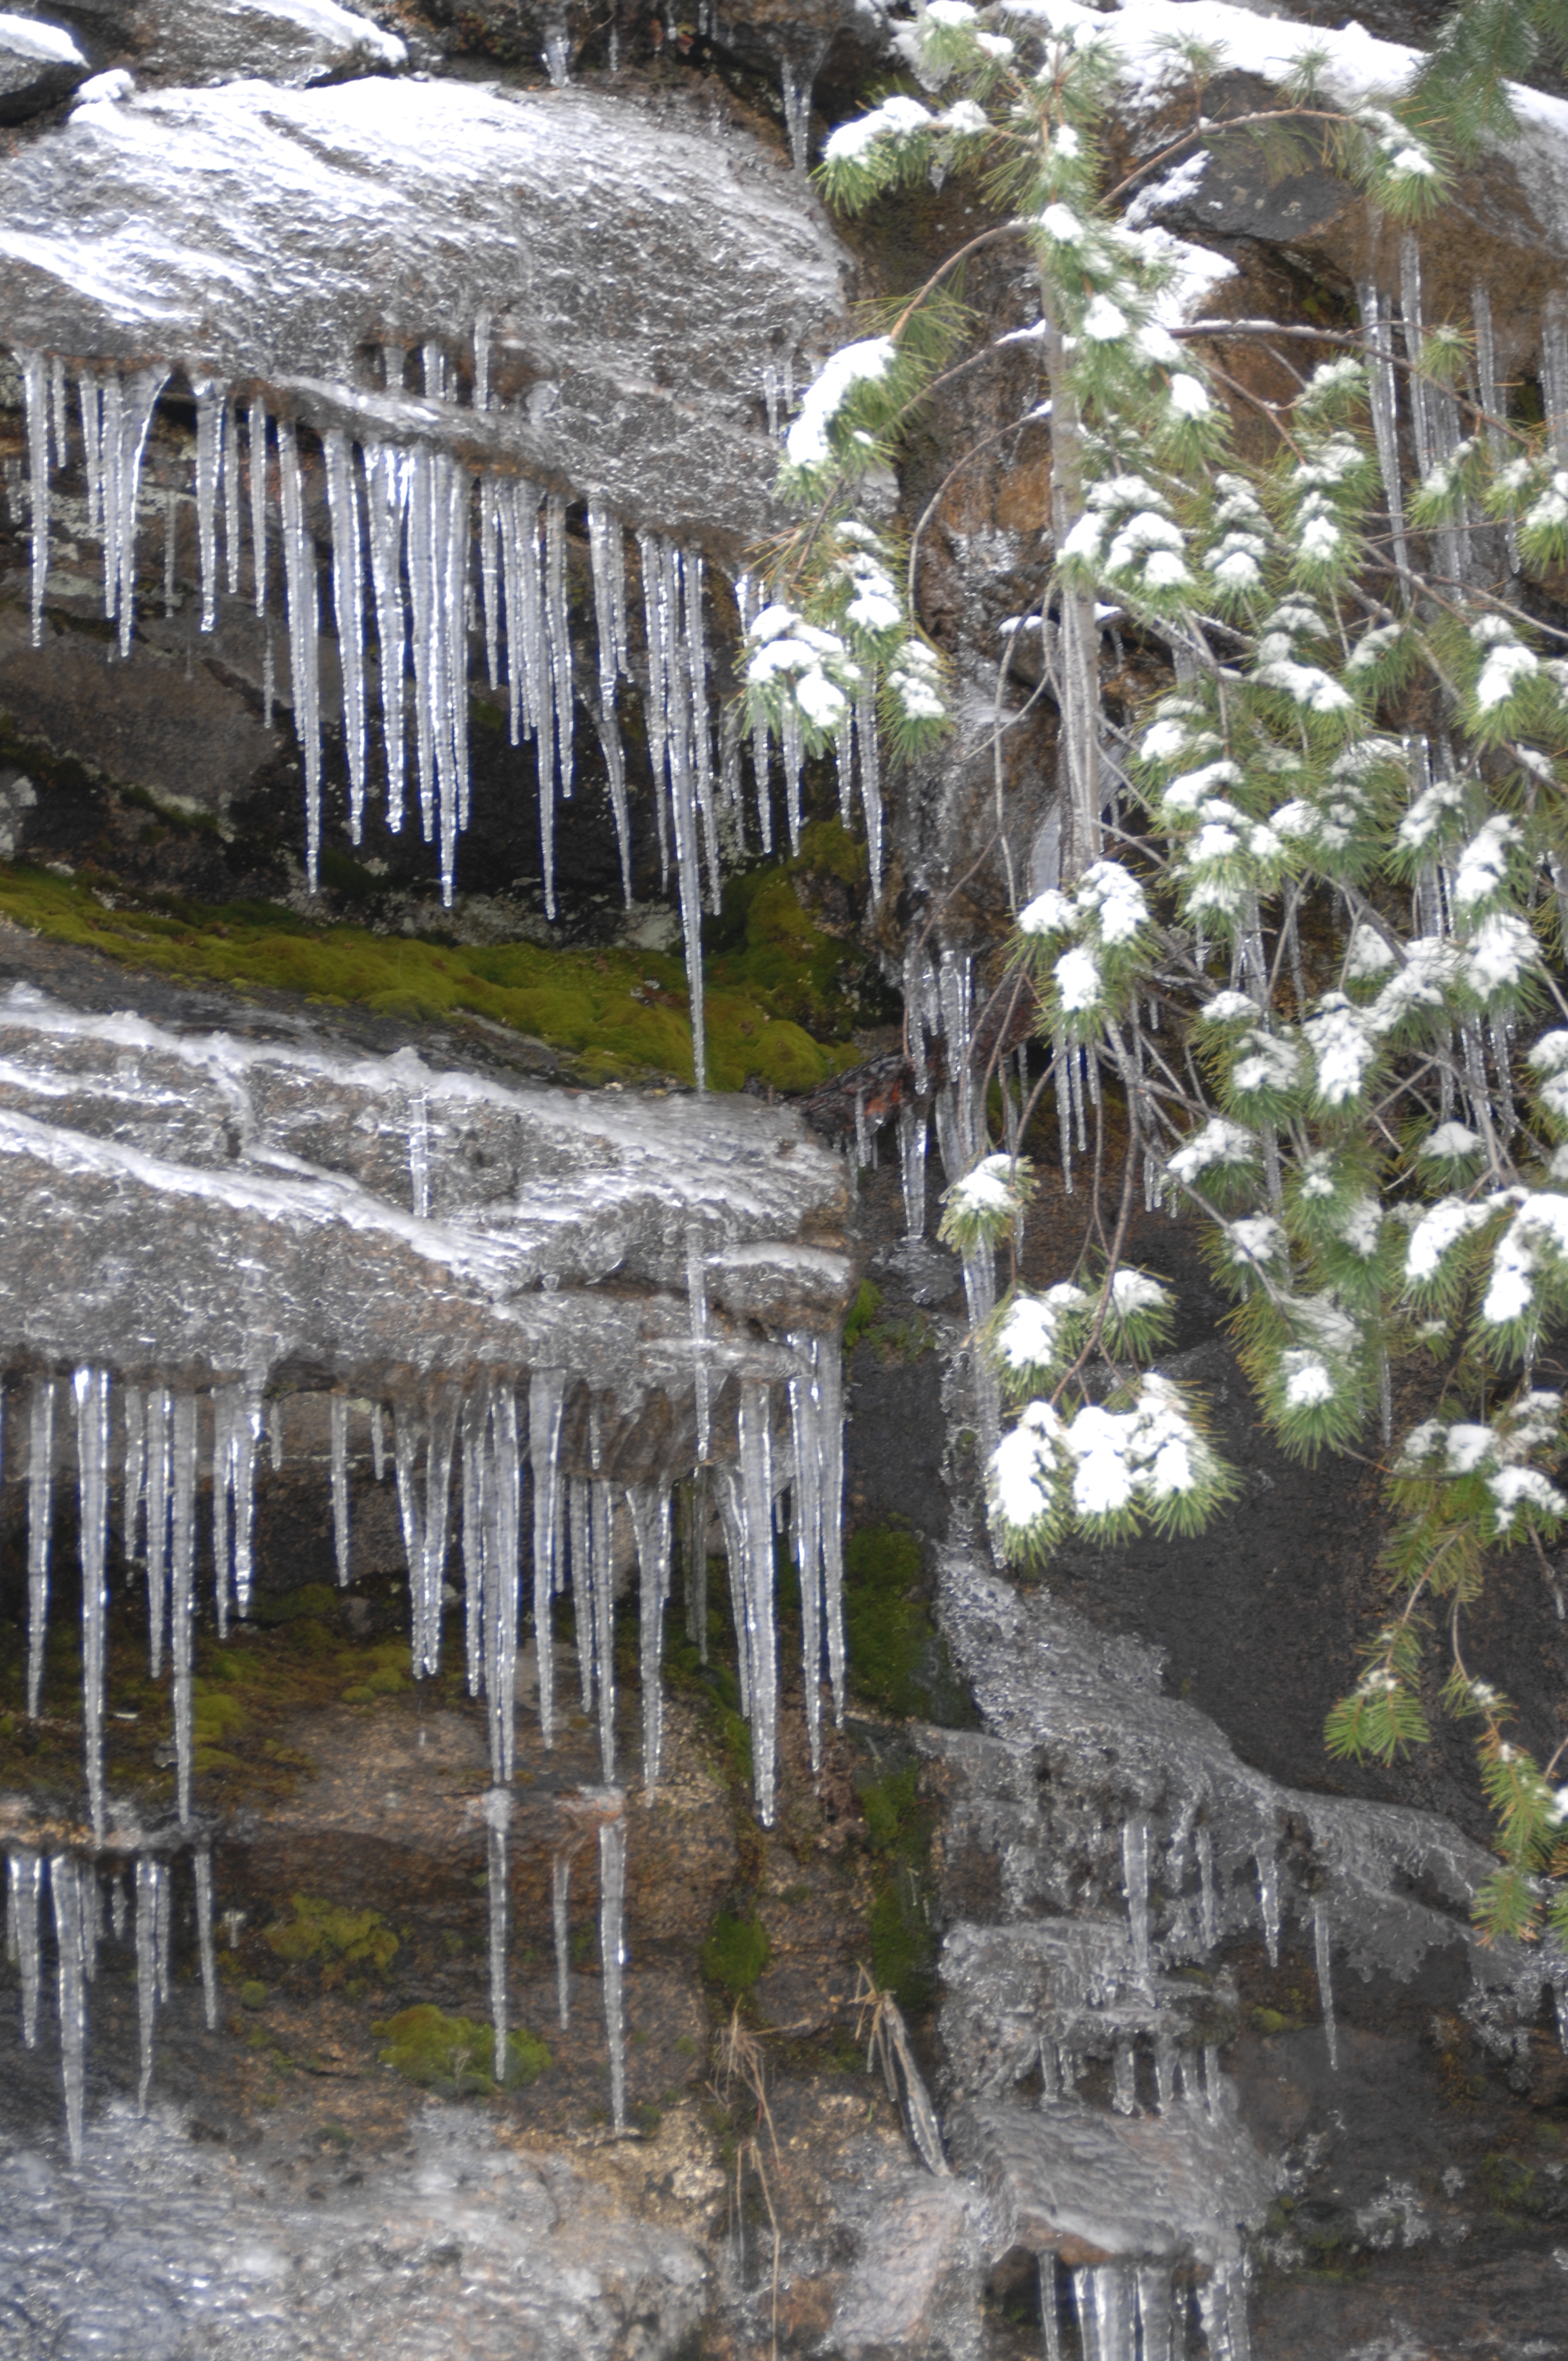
859 364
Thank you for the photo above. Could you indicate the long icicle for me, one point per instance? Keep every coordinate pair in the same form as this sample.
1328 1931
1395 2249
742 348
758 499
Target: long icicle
90 1387
348 604
546 1397
64 1878
502 1576
35 399
612 1954
181 1604
41 1518
211 414
649 1507
304 624
386 498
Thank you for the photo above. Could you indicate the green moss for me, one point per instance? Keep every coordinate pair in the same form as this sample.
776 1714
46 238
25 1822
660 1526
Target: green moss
736 1952
321 1930
1270 2020
216 1713
887 1623
253 1994
891 1811
617 1013
862 1313
456 2054
903 1946
315 1598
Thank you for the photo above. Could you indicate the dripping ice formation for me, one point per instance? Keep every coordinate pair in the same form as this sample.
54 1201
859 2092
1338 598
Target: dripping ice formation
527 1335
446 509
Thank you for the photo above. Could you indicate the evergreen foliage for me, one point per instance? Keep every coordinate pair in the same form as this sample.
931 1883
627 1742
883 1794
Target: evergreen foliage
1309 916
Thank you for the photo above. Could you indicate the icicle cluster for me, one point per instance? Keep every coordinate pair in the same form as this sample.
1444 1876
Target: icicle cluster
75 1887
405 524
150 1443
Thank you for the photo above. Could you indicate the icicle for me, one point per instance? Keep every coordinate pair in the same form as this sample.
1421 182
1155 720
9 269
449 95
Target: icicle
649 1507
602 1542
127 413
1050 2313
433 365
92 1391
546 1397
118 1906
612 1915
377 1440
913 1132
1323 1952
160 1476
806 1419
24 1895
1203 1844
729 1501
669 657
245 1438
579 1499
1221 2306
1377 326
203 1868
1165 2068
428 1579
304 623
558 634
559 1897
56 412
230 495
504 1541
794 749
490 574
408 1432
133 1497
606 555
477 1473
90 395
696 1563
255 441
211 411
870 785
386 498
1136 1885
65 1886
35 396
757 1495
1268 1903
795 91
348 603
696 1304
340 1486
695 644
456 537
1154 2313
182 1592
40 1516
223 1499
498 1808
150 1874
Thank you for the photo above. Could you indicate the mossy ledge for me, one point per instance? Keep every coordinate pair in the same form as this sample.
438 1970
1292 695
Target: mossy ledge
781 995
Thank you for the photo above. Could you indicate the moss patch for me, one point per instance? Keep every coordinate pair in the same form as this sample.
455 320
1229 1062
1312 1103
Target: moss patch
736 1952
888 1630
782 996
455 2055
337 1939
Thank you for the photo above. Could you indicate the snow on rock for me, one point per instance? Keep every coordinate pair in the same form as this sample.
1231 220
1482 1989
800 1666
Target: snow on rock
640 282
291 42
39 65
